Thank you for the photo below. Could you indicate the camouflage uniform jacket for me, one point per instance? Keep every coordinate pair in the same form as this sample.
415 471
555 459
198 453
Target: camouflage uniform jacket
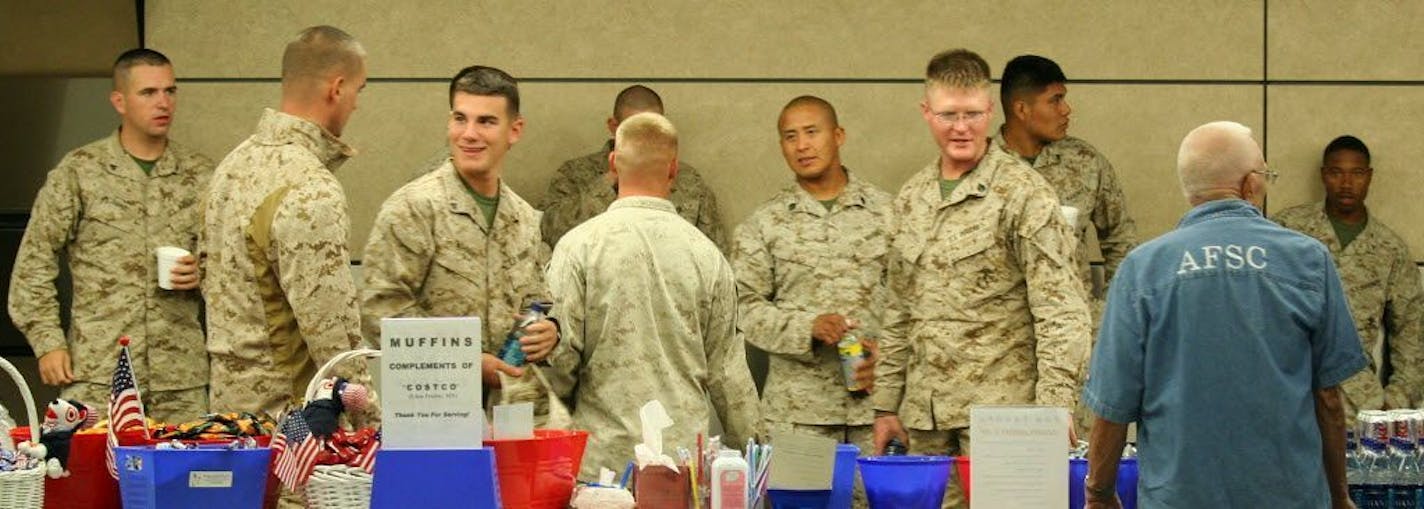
98 207
794 261
431 254
986 306
581 190
648 308
281 299
1382 284
1084 179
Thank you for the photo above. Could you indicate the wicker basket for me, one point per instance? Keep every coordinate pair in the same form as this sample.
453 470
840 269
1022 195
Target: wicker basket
22 489
338 486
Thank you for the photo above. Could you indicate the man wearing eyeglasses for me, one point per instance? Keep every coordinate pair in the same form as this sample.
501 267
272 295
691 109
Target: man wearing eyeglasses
1381 281
1226 341
986 307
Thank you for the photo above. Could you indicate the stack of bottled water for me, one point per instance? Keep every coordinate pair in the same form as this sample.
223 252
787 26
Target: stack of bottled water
1384 468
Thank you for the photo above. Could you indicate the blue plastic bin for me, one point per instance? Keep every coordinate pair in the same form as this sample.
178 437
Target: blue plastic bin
210 477
843 481
905 482
799 499
1126 482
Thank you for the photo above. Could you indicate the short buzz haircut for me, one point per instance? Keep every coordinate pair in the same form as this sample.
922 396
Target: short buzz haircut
957 68
1346 142
636 99
136 57
813 101
644 141
486 81
319 52
1028 74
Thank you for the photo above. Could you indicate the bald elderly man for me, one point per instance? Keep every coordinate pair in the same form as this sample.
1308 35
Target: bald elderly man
584 187
648 308
1226 341
281 300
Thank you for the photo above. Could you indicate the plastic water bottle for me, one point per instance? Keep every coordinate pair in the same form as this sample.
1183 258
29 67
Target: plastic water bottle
729 480
1406 482
852 353
511 353
1375 463
1354 469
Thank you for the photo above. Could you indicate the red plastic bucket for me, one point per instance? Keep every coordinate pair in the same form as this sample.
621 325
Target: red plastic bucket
539 472
961 470
88 485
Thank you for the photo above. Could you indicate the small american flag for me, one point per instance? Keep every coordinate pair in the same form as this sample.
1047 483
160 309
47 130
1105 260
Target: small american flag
296 451
125 405
367 459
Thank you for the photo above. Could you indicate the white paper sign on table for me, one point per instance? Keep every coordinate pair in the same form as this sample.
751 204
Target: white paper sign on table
430 383
1020 456
513 422
801 462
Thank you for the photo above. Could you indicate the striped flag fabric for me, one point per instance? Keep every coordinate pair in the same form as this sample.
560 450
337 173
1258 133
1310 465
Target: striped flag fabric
367 459
125 404
296 450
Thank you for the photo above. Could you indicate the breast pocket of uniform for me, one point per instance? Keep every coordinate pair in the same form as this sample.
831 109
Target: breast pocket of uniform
971 264
455 276
871 257
792 262
107 220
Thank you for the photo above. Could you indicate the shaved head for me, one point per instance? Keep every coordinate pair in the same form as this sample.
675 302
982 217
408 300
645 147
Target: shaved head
1214 159
810 101
636 99
318 54
645 146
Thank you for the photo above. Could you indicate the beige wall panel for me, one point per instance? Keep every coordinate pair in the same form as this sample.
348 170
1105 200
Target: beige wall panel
1216 39
71 38
1305 118
1353 40
1139 127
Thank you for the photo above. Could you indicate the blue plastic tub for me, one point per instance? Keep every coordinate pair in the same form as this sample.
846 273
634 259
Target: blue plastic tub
799 499
210 477
1126 482
905 482
843 481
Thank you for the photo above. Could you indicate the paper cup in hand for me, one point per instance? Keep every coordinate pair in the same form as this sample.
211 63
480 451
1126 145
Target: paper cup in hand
1071 214
168 258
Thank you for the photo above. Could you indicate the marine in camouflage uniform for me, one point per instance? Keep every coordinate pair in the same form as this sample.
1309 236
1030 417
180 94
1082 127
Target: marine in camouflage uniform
431 254
102 211
581 189
281 299
810 264
105 209
989 310
1382 285
1034 92
648 308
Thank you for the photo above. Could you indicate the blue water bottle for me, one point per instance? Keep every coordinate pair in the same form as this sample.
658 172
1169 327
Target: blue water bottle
511 353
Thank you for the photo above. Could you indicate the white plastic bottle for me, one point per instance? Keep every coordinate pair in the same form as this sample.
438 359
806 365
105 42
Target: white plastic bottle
729 480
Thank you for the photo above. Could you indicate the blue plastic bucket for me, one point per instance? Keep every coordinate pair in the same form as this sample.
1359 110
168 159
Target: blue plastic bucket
799 499
843 481
905 482
1126 482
